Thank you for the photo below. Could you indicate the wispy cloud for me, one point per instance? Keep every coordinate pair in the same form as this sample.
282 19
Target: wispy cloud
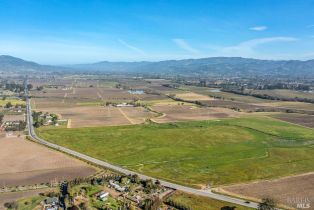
184 45
136 49
310 26
246 48
258 28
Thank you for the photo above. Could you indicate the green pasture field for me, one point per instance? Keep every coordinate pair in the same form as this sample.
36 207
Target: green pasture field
13 101
200 202
214 152
107 83
30 203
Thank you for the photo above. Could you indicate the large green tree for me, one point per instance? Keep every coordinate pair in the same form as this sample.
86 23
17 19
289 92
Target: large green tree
267 204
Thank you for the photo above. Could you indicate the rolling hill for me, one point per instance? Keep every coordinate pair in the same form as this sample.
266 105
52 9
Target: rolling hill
204 66
214 65
12 64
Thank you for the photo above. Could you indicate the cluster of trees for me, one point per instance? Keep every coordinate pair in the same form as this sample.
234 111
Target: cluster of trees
269 97
10 105
135 179
50 194
267 204
172 96
17 88
68 198
29 86
37 120
151 203
39 88
110 103
254 83
177 205
101 180
120 86
150 186
64 194
171 85
302 87
105 178
40 121
12 205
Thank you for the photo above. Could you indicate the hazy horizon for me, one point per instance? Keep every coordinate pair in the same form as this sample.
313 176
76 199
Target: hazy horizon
130 61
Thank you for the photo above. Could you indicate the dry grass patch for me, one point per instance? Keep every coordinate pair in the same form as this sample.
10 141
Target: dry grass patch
190 96
290 105
137 114
90 116
14 196
15 117
173 113
300 119
51 93
199 202
282 190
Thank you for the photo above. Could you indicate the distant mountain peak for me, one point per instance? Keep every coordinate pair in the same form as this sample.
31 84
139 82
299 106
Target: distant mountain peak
201 66
209 65
11 63
11 59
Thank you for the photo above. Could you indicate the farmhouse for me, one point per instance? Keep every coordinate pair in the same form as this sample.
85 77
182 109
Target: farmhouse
44 118
116 186
51 203
103 196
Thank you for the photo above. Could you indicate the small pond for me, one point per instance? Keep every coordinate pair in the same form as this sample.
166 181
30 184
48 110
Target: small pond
214 90
137 92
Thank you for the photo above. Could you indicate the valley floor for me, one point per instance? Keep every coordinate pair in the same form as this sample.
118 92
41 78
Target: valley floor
225 151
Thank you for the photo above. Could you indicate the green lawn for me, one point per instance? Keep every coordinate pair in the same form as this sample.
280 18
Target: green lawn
13 101
30 203
201 203
197 153
93 103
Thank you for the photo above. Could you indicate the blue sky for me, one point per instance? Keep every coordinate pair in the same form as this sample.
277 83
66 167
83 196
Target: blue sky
83 31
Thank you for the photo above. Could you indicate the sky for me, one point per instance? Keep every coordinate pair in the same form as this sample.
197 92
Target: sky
87 31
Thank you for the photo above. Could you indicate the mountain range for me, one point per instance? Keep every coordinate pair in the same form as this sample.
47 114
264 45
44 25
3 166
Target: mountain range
13 64
202 66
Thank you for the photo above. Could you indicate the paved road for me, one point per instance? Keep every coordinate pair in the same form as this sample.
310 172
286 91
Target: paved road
206 193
